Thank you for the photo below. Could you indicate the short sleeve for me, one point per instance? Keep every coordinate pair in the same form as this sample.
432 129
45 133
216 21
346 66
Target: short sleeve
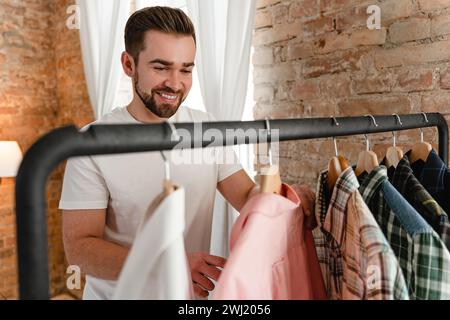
227 160
83 187
228 164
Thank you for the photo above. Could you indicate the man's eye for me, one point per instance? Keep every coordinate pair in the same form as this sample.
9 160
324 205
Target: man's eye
160 68
186 71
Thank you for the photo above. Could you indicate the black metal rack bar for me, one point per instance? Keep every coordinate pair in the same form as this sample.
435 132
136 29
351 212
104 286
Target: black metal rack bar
67 142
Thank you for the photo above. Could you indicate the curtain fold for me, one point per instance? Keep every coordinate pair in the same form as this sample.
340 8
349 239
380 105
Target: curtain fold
102 24
224 33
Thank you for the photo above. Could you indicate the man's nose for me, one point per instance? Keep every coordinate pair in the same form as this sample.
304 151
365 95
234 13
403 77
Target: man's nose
174 82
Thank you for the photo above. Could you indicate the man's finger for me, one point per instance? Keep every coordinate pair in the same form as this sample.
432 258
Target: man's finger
199 292
203 281
210 271
215 260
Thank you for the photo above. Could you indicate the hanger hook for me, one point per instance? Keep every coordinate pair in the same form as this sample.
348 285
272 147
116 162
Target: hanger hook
334 138
425 116
393 132
174 131
335 121
421 130
269 138
373 119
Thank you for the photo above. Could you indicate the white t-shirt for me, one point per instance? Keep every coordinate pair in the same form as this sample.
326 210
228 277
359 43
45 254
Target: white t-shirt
126 184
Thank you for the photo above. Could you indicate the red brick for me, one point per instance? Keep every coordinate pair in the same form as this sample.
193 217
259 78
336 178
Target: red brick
436 102
265 3
300 50
415 80
427 5
263 19
263 93
376 83
335 5
304 9
355 17
320 108
440 25
263 56
280 13
332 42
305 90
409 30
366 37
282 72
375 105
318 26
445 78
413 55
335 86
343 61
392 10
278 33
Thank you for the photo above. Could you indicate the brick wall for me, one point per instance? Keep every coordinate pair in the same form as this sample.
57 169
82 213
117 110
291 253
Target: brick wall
41 87
317 58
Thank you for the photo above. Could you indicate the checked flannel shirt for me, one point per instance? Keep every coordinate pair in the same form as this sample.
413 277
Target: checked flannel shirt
406 183
355 258
422 255
435 177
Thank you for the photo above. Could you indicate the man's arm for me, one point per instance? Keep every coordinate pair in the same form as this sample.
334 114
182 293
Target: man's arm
237 189
85 247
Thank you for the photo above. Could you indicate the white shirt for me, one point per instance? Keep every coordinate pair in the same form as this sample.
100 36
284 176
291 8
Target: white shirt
125 184
156 267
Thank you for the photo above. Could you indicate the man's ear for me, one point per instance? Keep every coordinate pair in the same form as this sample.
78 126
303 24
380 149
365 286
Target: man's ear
128 64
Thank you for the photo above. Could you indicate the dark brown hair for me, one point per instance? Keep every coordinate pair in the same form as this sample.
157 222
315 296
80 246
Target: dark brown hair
164 19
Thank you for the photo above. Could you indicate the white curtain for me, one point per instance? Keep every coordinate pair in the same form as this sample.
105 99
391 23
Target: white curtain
224 32
102 24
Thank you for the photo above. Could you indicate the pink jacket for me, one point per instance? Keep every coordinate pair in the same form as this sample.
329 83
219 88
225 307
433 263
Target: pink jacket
272 253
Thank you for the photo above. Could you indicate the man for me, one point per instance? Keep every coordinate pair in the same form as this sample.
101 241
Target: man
104 197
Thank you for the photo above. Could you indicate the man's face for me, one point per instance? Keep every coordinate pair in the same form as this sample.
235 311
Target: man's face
163 76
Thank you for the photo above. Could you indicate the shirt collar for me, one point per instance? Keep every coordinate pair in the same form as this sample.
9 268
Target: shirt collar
335 219
433 172
372 183
267 204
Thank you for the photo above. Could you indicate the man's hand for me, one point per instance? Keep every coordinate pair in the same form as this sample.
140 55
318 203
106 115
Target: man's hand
204 266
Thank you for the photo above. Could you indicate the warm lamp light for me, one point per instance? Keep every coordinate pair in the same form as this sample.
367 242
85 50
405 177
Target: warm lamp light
10 158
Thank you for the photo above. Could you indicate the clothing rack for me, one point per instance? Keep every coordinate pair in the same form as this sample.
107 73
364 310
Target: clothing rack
63 143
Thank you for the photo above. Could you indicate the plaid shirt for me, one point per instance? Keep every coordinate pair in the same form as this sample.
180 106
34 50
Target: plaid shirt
435 177
355 257
407 184
423 257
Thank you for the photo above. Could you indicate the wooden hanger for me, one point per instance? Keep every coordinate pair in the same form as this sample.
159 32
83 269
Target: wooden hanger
270 181
394 154
336 165
367 160
421 150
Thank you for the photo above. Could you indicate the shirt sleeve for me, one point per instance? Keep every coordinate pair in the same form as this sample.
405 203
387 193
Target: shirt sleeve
227 160
83 187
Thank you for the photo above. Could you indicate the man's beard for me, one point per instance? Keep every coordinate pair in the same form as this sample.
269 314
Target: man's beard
163 110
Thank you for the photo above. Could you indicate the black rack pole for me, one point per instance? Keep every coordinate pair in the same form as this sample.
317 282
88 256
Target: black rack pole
63 143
